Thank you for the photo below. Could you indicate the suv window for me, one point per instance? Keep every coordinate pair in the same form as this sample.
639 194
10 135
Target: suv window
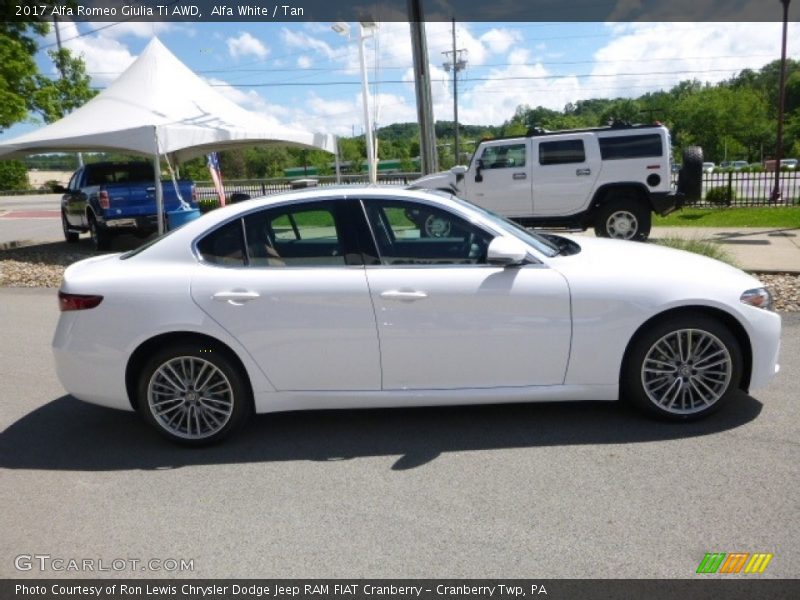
503 156
561 152
631 146
418 234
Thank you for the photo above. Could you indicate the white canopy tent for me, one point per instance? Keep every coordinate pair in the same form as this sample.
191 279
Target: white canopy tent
158 106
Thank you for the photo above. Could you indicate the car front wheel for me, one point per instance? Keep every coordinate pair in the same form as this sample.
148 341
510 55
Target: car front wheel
194 395
683 368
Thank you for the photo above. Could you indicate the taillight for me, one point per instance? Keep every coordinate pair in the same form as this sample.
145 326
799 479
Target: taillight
102 199
77 301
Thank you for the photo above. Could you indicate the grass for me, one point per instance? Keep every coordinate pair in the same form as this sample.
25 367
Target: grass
706 248
767 216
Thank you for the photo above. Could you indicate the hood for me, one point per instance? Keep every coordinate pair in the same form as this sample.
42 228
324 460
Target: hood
636 264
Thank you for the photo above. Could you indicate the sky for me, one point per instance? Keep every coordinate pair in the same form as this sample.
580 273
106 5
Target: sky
307 76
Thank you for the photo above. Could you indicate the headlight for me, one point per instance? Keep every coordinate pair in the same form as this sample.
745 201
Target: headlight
758 297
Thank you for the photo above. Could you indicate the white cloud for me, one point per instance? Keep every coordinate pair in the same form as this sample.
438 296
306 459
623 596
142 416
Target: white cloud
646 57
105 57
245 45
500 40
304 62
300 39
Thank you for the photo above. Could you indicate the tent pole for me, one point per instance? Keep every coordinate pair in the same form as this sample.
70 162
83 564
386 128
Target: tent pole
159 191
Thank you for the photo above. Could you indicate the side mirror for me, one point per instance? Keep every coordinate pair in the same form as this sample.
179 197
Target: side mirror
458 170
478 169
506 251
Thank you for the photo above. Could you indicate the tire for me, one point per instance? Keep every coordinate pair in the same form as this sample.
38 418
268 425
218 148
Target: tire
662 369
101 237
623 218
193 394
690 177
70 236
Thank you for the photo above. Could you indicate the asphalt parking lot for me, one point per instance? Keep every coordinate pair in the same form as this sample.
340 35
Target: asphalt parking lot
572 490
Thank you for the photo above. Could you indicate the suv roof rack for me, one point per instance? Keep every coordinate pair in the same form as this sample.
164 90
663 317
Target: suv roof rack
613 125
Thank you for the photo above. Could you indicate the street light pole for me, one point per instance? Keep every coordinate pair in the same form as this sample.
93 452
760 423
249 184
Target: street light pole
364 26
371 162
776 190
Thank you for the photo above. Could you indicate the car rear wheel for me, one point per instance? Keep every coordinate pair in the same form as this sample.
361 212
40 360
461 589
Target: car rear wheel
623 219
69 235
101 237
194 395
683 368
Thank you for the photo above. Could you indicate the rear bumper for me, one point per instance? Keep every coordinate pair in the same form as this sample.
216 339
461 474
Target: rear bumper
667 202
147 223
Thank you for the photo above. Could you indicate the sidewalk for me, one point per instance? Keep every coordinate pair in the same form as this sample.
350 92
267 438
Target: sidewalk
766 250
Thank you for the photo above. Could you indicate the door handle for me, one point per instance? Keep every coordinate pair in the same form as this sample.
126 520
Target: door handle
407 296
519 176
580 172
235 298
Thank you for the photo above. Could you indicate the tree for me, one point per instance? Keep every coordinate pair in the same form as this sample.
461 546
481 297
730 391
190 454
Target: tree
17 69
54 98
23 89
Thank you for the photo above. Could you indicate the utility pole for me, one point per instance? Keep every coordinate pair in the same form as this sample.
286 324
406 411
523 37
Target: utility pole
422 85
776 190
456 64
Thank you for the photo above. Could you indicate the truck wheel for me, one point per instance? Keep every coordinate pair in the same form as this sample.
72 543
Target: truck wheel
101 237
690 177
623 219
69 235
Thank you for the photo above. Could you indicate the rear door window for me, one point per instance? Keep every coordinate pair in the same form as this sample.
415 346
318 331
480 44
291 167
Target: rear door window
561 152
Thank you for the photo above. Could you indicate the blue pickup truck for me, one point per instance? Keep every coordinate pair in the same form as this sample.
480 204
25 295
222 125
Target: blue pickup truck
108 198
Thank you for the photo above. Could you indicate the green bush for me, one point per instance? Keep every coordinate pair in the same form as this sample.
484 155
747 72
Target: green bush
721 196
13 175
207 204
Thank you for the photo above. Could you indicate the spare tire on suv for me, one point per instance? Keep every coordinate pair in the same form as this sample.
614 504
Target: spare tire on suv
690 177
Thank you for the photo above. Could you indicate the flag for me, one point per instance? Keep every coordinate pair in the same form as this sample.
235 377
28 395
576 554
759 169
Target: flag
216 176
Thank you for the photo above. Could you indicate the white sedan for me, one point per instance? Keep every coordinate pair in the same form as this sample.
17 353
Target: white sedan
368 297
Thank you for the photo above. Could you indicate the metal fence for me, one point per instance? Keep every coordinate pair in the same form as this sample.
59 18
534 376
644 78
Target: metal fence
741 188
264 187
737 188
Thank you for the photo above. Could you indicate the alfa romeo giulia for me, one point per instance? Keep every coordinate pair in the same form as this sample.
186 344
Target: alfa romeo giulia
375 297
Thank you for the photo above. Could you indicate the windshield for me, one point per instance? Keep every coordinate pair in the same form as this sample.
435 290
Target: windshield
543 245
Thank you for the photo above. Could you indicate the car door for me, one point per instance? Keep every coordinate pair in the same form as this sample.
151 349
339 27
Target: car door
565 169
448 320
289 283
499 178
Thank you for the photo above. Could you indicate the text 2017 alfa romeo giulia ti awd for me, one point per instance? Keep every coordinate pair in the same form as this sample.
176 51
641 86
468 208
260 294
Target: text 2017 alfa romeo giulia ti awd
372 297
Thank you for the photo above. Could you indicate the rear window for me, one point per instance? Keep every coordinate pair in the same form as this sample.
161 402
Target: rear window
631 146
123 173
